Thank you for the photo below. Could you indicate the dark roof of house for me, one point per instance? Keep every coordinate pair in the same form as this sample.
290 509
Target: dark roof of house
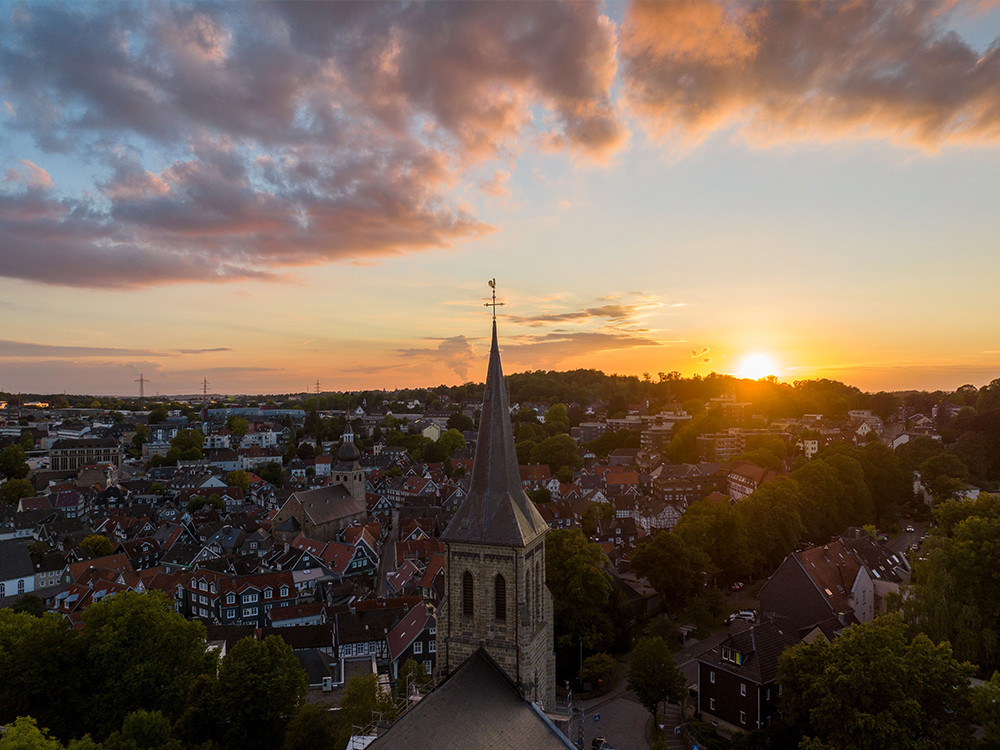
759 646
496 510
15 562
476 707
326 504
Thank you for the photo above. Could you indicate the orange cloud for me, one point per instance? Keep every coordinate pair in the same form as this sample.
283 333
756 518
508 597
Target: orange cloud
776 71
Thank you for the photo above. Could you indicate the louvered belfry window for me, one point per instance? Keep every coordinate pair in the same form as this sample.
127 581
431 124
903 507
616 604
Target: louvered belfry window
500 597
468 595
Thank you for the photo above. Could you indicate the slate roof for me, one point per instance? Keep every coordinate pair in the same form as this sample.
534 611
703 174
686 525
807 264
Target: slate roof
833 571
15 562
407 630
759 645
496 510
327 504
476 707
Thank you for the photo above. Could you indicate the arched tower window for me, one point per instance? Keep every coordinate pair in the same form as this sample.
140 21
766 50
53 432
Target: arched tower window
468 595
500 597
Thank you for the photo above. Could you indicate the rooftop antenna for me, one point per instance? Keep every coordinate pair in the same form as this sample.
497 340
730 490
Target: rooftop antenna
317 389
494 304
142 393
204 389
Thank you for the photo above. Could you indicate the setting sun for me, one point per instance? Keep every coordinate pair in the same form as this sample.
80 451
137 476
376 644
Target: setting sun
756 366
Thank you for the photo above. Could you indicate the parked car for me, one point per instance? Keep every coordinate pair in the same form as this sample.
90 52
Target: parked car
744 614
909 529
738 586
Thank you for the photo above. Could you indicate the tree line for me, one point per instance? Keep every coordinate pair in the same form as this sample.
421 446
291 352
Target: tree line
138 675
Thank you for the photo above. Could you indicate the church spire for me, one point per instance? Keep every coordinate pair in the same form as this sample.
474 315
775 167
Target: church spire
496 511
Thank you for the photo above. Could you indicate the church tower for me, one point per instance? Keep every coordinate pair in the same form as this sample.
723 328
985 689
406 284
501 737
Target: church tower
347 470
495 592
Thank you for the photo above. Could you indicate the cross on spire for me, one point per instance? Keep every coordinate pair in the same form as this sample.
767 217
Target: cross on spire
494 304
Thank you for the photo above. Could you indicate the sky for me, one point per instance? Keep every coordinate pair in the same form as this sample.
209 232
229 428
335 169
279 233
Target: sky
270 196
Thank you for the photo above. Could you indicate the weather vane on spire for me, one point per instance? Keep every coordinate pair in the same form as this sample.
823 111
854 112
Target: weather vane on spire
494 304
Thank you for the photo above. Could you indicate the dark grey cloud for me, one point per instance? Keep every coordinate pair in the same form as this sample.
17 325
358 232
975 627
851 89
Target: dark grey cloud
205 351
28 349
612 313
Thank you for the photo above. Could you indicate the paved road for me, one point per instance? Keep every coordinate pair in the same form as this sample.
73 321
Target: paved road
386 561
624 721
902 542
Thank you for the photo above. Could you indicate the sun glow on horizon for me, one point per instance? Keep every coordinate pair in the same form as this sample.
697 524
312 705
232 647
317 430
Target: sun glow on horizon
756 366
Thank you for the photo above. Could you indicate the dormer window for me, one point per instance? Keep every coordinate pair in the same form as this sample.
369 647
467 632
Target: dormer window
268 592
732 656
284 591
230 598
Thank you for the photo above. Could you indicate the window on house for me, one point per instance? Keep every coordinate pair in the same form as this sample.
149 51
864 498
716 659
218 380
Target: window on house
743 717
468 595
418 647
230 598
743 688
3 589
500 598
433 630
284 591
711 677
432 646
711 704
230 613
427 666
267 593
250 597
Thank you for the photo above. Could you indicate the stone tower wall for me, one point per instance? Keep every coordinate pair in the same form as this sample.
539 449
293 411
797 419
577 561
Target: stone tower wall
522 643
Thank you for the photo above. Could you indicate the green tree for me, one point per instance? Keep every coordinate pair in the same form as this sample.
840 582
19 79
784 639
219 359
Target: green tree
953 596
541 495
31 604
557 419
13 490
197 502
98 545
25 734
460 422
674 567
238 426
140 438
260 686
451 441
413 673
186 445
272 473
557 451
902 693
364 701
44 672
157 416
580 590
13 462
597 668
143 730
944 475
239 478
143 655
313 727
653 675
718 530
